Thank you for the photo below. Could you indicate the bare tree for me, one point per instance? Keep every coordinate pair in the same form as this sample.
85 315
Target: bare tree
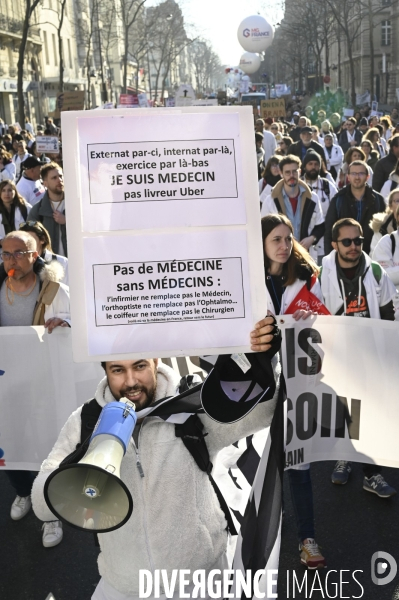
61 15
29 6
87 28
169 41
206 65
130 11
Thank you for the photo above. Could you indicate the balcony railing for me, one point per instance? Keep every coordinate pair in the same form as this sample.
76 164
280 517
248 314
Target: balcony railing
15 26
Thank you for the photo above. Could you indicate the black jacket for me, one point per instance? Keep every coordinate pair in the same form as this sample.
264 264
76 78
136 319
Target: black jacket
344 205
296 149
43 212
343 139
383 168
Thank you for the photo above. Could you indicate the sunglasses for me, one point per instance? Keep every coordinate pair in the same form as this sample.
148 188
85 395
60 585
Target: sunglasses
347 242
30 223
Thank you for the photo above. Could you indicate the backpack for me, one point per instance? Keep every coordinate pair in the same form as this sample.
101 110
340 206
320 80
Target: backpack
190 433
326 188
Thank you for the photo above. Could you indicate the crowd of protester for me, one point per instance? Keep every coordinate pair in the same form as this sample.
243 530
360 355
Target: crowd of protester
329 202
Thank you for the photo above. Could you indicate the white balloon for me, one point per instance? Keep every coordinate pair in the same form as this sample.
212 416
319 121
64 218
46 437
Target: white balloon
249 62
255 34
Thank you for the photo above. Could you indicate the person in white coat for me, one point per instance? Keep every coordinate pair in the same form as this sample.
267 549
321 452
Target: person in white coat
13 208
269 141
386 253
325 189
384 222
288 269
177 522
354 286
293 198
334 155
7 167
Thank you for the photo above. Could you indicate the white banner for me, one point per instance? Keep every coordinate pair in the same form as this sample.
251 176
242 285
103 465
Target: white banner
165 248
40 386
342 380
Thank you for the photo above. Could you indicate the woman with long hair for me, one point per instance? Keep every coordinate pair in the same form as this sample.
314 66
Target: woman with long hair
43 244
372 156
354 153
270 176
289 268
13 208
373 135
387 127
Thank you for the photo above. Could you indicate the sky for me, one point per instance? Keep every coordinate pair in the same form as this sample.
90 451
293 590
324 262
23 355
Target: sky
217 21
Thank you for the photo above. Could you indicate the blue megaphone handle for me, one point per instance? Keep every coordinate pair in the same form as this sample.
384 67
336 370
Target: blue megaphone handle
117 419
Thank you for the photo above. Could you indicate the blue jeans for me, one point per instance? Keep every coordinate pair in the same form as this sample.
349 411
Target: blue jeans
302 500
21 481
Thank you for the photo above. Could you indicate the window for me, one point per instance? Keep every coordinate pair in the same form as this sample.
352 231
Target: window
386 2
46 48
55 50
69 54
385 33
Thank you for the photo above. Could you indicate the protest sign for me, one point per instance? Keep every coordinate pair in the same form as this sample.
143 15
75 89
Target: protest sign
185 95
341 377
67 101
47 143
272 108
166 251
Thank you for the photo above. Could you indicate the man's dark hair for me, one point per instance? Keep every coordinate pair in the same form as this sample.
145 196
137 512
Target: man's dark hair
289 159
352 120
287 140
394 141
103 366
348 222
358 163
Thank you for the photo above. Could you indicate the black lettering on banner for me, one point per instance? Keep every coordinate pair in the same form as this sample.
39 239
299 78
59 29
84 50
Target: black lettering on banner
290 426
326 405
311 424
315 366
352 419
290 350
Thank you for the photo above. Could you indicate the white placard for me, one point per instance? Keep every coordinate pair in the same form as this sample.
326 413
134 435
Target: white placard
165 241
165 288
156 172
47 143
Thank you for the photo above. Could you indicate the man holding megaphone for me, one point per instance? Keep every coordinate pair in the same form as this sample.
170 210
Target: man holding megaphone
177 520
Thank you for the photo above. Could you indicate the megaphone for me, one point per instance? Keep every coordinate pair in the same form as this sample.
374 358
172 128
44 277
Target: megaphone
89 494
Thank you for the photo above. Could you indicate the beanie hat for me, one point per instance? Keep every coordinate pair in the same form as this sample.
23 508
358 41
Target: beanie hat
363 121
311 155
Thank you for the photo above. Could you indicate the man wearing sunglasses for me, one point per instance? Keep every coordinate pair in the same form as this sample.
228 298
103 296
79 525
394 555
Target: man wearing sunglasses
356 201
354 286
